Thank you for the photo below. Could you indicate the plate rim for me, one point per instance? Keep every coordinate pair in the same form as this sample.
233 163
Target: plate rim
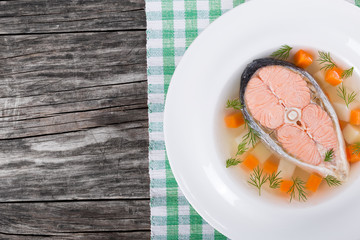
204 214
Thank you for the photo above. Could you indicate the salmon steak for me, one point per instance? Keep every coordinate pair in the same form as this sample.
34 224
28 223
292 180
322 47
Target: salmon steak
291 114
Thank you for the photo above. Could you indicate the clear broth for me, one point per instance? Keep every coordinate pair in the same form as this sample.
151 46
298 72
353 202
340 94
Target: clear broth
227 136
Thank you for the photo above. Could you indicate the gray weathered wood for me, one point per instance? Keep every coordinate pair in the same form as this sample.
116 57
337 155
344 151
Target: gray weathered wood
60 218
73 127
28 16
35 64
73 120
100 163
136 235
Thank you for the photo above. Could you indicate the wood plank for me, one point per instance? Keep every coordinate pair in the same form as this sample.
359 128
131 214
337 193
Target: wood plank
34 64
73 121
91 77
67 218
40 16
72 110
138 235
100 163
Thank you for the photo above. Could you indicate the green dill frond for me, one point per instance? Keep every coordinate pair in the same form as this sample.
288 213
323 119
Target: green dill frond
344 95
232 162
252 136
326 61
235 104
257 179
347 73
275 180
332 181
356 148
299 187
242 148
282 53
329 155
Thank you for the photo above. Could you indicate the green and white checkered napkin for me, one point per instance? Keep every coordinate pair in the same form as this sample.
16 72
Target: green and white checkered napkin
172 25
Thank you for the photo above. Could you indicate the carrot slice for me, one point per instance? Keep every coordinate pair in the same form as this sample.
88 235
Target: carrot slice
269 166
250 162
348 153
351 156
342 124
333 76
355 117
313 182
234 120
328 96
303 59
285 185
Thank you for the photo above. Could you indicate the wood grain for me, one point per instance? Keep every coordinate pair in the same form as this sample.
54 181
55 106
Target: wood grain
43 16
100 163
72 123
36 64
131 235
61 218
73 120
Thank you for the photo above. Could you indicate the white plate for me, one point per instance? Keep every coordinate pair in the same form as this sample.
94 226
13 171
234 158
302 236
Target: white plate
206 75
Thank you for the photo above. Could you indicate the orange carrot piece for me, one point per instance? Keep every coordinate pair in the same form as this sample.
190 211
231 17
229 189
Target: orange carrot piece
313 182
269 166
234 120
348 153
303 59
333 76
328 96
250 162
285 185
351 156
355 117
342 124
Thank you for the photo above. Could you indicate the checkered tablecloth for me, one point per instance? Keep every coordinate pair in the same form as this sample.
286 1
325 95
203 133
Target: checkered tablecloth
172 25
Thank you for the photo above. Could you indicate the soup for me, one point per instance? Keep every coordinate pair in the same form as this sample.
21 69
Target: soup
297 136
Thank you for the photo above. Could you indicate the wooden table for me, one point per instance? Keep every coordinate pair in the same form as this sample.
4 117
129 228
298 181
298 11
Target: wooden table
74 139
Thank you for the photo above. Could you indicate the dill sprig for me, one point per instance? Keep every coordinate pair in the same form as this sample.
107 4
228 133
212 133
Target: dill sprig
347 73
356 148
235 104
257 179
252 136
326 61
275 180
242 148
347 97
332 181
232 162
329 155
299 187
282 53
